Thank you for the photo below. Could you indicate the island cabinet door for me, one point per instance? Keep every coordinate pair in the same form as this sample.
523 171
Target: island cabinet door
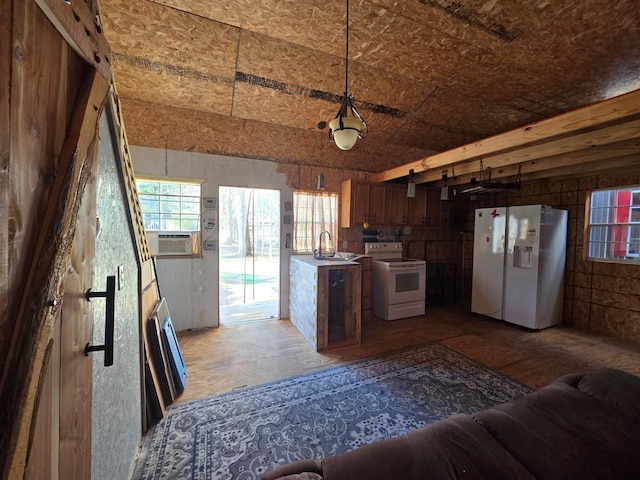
339 306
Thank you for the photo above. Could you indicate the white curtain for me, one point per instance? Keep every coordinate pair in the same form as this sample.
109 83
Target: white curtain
313 213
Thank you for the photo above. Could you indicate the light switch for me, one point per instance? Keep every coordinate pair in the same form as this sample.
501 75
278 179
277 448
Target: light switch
120 277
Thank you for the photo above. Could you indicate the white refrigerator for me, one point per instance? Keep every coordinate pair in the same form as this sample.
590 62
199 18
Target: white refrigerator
518 264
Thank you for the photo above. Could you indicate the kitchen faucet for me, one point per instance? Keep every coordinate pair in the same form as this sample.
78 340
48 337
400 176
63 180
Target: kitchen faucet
319 249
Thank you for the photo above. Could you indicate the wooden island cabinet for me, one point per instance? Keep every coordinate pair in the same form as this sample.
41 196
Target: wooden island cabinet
325 301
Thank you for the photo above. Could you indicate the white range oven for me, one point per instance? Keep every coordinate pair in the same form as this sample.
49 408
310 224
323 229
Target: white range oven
398 284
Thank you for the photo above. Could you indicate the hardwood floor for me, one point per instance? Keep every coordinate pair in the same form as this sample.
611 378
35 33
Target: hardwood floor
220 360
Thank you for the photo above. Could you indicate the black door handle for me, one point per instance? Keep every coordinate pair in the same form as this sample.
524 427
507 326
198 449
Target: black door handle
110 295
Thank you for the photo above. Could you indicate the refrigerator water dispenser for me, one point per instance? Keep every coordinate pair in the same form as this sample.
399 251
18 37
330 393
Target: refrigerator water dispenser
522 256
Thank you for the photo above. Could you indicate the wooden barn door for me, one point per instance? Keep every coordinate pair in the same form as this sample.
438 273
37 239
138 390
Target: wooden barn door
59 79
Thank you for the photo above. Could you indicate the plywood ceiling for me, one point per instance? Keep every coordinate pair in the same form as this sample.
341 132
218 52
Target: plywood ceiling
253 78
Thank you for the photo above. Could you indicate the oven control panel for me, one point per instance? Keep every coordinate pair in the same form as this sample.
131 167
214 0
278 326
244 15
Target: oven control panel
382 248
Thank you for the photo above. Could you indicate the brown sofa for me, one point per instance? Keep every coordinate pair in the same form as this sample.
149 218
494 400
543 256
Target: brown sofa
581 426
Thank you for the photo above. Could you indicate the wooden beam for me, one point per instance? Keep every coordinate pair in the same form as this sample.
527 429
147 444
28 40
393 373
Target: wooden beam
580 161
612 165
608 112
500 163
81 30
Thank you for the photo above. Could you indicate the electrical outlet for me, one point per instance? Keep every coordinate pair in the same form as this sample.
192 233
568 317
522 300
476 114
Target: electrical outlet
345 245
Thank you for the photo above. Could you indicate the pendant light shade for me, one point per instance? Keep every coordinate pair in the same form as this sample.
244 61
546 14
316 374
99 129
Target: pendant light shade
344 131
348 125
411 185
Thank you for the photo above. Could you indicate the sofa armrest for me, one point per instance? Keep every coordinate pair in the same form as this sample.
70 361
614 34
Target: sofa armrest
300 470
453 448
615 387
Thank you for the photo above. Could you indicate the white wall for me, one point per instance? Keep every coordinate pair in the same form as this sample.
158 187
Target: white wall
191 285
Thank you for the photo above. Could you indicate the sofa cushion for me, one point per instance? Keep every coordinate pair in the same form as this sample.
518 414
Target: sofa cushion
559 432
449 449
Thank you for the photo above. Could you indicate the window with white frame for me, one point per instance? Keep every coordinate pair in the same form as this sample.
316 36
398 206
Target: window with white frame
169 206
314 213
613 227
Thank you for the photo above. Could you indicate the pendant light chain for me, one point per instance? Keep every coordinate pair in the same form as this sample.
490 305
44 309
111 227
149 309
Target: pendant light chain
348 125
346 57
166 158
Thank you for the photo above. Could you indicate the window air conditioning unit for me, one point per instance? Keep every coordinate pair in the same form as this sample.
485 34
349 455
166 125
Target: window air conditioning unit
172 243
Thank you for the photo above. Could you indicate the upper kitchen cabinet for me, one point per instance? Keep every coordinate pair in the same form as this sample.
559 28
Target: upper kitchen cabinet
354 203
398 205
417 208
377 204
362 202
384 204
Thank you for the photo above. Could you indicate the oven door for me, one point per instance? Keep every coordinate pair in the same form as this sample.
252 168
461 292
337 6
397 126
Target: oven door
406 283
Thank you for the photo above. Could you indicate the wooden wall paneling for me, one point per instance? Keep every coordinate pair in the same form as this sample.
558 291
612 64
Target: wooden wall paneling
434 207
6 17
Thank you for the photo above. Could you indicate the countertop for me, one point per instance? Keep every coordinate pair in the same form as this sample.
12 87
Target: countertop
326 263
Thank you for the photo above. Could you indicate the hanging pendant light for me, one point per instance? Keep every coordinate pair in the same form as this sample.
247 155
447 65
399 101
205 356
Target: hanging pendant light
411 185
348 125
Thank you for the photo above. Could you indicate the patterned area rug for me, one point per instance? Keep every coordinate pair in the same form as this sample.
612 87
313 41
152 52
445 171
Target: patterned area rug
242 434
